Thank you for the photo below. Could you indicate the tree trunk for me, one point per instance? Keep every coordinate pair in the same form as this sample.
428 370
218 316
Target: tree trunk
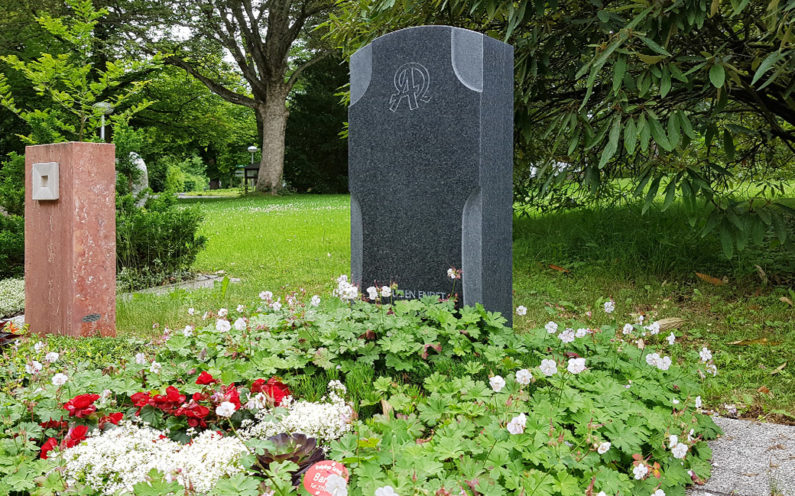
273 115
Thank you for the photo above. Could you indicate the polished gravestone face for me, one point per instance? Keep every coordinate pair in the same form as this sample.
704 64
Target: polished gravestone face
430 164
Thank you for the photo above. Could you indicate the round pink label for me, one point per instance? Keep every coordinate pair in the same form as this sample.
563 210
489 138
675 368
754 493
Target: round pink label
315 478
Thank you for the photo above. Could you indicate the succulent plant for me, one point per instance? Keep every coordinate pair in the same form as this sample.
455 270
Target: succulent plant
297 448
6 338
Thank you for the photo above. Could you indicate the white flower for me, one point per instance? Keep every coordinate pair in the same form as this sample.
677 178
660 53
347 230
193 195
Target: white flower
276 306
548 367
222 325
155 367
240 324
673 440
188 331
698 401
191 311
336 485
240 308
601 493
38 346
551 327
524 377
342 278
679 451
691 435
451 273
521 310
266 296
609 306
675 401
497 383
206 315
640 471
140 359
602 449
315 301
225 409
658 492
712 369
581 332
372 293
517 424
59 379
386 491
628 328
386 292
223 312
51 357
567 336
576 365
705 354
653 329
671 338
664 363
33 368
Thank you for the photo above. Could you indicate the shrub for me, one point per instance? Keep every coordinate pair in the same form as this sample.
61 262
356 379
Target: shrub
12 245
12 184
12 296
156 241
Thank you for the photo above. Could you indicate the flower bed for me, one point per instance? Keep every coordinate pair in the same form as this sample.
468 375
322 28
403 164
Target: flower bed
12 296
413 397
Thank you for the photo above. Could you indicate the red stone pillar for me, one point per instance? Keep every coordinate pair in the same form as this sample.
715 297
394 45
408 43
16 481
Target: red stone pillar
70 239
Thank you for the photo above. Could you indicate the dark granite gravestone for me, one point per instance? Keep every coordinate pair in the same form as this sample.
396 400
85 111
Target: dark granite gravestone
431 164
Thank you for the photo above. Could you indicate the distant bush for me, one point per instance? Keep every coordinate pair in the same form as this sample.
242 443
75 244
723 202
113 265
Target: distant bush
12 184
12 245
155 242
12 296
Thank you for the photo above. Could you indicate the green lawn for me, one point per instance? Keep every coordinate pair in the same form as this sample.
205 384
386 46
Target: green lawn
646 263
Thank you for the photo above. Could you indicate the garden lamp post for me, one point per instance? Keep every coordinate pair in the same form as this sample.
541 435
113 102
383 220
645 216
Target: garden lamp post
106 109
252 150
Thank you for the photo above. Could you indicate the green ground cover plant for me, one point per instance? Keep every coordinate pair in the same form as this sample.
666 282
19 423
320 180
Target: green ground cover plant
448 401
12 296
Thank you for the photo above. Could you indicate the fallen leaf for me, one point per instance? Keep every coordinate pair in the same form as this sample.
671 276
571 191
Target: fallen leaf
712 280
670 323
779 368
559 269
786 300
763 389
762 275
749 342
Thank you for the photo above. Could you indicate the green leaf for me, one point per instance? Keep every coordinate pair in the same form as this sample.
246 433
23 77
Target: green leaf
665 83
670 194
673 130
618 73
728 144
612 143
239 485
717 75
645 132
658 134
687 127
765 66
630 136
726 239
654 46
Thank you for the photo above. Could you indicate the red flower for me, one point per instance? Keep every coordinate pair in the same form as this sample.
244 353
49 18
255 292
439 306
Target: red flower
168 402
75 435
231 395
53 424
113 418
205 378
48 446
82 405
199 397
274 388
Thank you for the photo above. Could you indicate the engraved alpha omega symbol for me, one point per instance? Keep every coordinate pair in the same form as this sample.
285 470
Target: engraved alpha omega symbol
412 82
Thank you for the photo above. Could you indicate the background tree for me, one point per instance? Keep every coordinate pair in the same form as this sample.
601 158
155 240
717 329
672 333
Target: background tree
258 36
682 96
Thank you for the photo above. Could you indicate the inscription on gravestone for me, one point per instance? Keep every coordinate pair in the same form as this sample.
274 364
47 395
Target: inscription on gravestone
431 164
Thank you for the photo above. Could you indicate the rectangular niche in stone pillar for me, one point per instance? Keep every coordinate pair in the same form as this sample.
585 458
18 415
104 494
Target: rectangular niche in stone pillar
431 164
